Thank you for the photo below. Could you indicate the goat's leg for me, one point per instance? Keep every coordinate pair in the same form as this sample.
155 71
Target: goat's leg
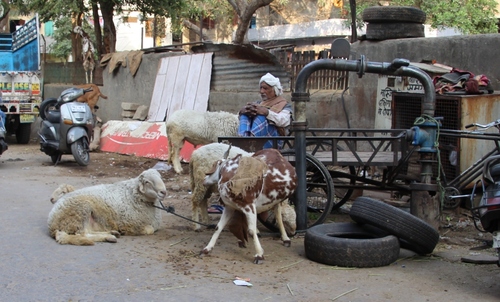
86 77
279 220
251 216
226 216
91 75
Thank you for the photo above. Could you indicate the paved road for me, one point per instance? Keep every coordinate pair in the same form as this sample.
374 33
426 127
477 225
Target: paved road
164 266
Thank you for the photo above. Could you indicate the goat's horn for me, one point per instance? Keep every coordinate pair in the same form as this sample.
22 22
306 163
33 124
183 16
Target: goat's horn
227 152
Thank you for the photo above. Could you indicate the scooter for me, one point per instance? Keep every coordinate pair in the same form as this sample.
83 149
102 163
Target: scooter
67 126
488 210
3 133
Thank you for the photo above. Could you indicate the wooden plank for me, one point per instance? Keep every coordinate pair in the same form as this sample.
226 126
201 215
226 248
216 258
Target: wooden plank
181 82
157 96
178 91
202 95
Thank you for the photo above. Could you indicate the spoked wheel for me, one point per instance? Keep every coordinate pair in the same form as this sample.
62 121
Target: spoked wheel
338 174
319 187
449 201
80 151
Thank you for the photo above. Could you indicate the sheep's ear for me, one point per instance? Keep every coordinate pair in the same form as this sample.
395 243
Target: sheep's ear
141 183
227 152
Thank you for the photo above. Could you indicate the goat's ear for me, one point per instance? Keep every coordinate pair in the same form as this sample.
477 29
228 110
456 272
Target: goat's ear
214 168
227 152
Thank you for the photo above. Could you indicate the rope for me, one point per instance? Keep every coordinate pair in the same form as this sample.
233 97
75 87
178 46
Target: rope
171 210
441 190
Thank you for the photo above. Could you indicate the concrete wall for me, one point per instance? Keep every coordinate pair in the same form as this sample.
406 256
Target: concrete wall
356 109
474 53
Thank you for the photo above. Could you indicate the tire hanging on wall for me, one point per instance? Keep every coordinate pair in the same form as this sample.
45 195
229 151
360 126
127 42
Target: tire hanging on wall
414 233
350 245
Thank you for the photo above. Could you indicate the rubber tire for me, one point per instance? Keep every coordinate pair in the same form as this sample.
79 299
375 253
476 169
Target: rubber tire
45 105
380 14
397 30
414 233
23 133
349 244
80 151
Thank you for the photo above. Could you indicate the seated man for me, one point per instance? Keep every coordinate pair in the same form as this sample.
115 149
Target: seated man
268 116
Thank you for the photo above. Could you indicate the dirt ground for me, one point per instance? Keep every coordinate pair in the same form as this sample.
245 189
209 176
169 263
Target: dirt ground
166 266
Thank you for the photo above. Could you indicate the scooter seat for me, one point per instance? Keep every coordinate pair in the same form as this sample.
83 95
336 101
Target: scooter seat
54 116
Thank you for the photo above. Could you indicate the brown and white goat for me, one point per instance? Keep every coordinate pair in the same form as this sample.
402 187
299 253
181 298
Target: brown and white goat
252 185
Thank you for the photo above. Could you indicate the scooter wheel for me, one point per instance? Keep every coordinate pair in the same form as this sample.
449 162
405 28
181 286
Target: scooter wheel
80 151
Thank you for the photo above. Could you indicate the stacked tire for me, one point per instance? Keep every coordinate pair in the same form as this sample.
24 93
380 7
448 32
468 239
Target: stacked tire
393 22
373 240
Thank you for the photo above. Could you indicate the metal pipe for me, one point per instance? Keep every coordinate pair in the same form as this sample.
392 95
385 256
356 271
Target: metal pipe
398 67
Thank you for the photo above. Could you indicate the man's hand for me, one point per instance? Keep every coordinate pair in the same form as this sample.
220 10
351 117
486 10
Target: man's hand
252 109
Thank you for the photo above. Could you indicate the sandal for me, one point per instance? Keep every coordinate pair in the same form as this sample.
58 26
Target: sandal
215 209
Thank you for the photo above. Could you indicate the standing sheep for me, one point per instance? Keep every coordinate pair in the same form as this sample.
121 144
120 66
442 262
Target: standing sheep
198 128
201 162
104 212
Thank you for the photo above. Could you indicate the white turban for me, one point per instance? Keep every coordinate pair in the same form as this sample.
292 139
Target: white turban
273 81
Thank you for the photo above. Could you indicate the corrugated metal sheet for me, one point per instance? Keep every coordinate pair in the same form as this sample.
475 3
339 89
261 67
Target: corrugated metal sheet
239 67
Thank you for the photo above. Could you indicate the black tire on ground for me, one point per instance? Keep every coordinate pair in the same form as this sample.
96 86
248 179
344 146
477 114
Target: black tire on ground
45 106
397 30
350 245
23 133
379 14
414 233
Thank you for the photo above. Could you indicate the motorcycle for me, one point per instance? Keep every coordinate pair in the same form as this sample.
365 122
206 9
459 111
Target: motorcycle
487 212
3 133
67 126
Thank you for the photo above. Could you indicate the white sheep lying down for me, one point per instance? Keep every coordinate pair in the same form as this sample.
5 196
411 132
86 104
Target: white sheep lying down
104 212
198 128
201 162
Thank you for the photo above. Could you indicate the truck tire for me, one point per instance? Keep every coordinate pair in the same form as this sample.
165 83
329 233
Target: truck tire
349 244
379 14
23 133
414 233
397 30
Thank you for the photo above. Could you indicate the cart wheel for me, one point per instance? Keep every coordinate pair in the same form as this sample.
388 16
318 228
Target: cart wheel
340 175
448 201
319 190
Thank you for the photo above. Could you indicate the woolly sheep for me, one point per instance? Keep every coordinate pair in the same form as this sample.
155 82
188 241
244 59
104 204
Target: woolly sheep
104 212
201 162
60 191
198 128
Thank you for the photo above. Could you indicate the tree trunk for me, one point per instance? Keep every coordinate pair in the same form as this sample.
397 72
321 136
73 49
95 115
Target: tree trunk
97 30
76 40
245 12
195 29
109 29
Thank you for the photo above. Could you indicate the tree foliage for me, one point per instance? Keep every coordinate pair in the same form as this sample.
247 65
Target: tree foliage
467 16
